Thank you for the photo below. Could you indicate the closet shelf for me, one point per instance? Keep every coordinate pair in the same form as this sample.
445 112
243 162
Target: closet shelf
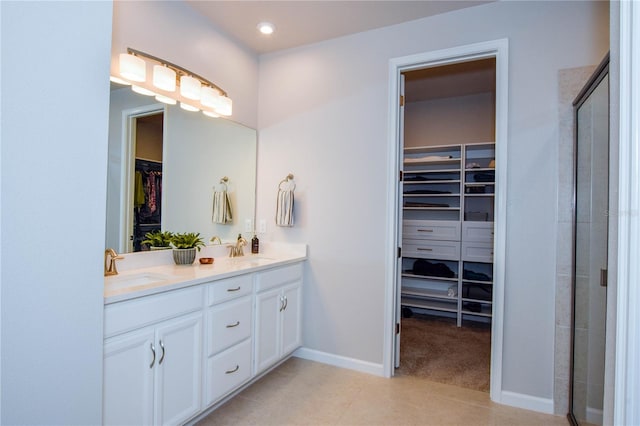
429 277
431 294
434 305
486 302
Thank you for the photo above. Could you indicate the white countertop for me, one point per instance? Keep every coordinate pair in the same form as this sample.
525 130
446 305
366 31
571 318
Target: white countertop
143 274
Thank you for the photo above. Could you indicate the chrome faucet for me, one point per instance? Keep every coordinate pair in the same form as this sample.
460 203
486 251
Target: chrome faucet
110 257
237 250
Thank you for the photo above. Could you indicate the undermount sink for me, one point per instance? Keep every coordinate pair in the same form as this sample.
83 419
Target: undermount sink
143 278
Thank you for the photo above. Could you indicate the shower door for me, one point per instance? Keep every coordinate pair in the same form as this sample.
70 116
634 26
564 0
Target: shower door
590 249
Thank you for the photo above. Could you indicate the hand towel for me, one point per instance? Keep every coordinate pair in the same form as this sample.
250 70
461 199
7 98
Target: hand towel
284 208
221 208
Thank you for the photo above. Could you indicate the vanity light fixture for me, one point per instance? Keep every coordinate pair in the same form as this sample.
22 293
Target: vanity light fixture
266 28
210 114
141 90
173 84
188 107
164 78
132 68
166 99
118 80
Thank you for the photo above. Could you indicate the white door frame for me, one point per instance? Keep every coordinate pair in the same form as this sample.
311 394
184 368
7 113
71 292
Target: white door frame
498 49
128 163
626 409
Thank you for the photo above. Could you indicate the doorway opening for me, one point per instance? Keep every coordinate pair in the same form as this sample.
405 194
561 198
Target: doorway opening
141 190
449 146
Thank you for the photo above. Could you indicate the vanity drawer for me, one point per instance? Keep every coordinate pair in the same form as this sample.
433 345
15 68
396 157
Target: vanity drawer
477 231
124 316
477 252
277 277
431 230
428 249
230 288
227 370
228 324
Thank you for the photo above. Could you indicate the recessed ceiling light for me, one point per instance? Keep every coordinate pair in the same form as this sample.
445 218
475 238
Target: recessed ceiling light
266 28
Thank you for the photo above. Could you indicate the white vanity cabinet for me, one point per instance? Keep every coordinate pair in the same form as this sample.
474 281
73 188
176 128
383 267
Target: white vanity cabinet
229 319
278 315
153 359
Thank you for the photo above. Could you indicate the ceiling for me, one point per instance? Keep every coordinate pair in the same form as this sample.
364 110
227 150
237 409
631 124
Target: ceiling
303 22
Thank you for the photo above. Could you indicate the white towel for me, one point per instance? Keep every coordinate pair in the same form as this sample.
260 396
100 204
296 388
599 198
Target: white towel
221 208
284 208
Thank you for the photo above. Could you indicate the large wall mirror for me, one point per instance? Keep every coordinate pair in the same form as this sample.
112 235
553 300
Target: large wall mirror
165 165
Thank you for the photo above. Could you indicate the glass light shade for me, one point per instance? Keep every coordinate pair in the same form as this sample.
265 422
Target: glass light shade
142 90
118 80
132 68
190 87
188 107
209 97
225 107
210 114
164 78
166 99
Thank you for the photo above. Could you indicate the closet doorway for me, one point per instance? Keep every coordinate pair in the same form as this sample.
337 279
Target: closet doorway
449 270
448 193
142 183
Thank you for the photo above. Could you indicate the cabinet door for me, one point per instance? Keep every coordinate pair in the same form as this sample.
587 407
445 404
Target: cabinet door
267 329
291 318
128 376
179 369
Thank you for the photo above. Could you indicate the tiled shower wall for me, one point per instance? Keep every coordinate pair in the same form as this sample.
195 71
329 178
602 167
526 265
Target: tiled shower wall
570 82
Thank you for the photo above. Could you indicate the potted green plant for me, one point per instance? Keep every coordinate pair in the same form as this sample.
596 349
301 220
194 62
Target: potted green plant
158 240
185 245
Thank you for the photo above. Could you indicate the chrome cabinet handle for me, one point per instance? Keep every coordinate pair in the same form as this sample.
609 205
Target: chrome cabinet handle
162 357
233 289
425 230
281 304
286 302
424 249
233 325
153 350
232 371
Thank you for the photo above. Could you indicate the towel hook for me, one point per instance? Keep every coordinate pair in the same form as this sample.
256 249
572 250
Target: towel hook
288 179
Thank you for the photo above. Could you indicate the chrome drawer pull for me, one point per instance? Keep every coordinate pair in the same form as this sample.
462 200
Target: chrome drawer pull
425 230
233 325
234 289
232 371
424 249
161 357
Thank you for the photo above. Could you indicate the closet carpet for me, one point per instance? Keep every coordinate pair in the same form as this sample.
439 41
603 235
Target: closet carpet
435 349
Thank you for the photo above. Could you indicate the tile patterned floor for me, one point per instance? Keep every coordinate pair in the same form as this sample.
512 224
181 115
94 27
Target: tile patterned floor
302 392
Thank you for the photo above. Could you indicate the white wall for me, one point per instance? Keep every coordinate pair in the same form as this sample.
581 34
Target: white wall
54 157
173 31
323 117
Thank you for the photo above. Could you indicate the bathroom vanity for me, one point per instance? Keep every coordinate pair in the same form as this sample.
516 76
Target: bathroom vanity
180 339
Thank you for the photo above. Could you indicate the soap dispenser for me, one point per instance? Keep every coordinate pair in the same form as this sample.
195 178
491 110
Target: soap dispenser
255 244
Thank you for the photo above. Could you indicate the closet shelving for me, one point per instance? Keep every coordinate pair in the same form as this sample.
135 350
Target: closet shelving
447 237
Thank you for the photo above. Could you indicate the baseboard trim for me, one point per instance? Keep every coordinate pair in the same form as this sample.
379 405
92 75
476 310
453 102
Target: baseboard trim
340 361
528 402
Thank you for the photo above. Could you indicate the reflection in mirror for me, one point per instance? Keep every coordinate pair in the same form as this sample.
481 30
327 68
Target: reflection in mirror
196 153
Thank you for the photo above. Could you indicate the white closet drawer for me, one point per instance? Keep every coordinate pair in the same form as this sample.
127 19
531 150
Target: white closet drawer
477 252
431 230
229 288
227 370
228 324
477 231
428 249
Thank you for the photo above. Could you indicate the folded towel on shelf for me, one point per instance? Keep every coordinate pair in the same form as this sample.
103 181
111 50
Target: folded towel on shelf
284 207
221 208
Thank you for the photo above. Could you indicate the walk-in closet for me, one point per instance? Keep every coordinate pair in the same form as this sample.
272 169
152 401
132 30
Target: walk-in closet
147 191
447 212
